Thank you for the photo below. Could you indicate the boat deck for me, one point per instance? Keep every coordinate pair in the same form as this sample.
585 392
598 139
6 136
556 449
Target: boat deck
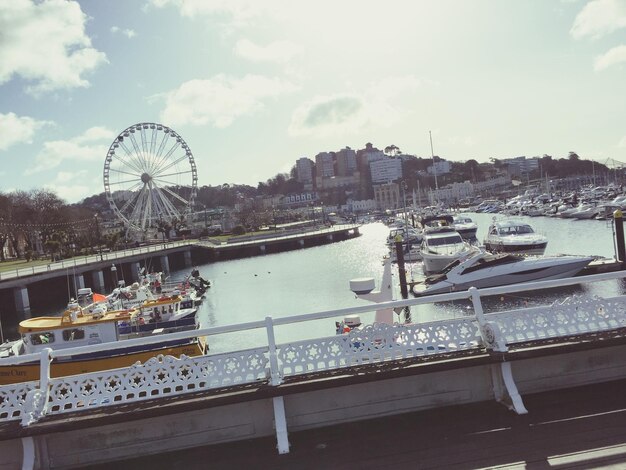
583 427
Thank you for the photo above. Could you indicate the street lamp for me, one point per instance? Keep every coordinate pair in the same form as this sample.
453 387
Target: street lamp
114 274
98 235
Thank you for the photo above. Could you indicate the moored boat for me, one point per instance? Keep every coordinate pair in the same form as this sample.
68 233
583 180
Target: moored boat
514 236
492 270
442 247
76 328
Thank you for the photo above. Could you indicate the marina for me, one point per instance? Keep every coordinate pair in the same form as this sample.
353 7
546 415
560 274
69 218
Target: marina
269 347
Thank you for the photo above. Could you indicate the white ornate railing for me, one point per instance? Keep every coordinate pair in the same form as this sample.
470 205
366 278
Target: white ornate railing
378 343
572 316
161 376
165 376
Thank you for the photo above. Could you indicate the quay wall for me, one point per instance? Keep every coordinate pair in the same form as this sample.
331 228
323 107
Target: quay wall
327 403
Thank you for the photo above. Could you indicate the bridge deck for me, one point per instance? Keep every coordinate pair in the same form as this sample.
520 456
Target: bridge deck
583 427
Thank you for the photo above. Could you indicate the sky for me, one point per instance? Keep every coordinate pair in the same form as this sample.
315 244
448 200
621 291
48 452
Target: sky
251 86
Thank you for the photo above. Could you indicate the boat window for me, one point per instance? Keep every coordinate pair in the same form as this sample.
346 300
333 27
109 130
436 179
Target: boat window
46 337
74 334
445 241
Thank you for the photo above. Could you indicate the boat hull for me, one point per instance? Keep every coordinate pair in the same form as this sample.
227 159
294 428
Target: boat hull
519 249
83 363
499 278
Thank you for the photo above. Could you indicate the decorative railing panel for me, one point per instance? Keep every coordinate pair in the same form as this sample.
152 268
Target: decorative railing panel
575 315
160 376
377 343
12 399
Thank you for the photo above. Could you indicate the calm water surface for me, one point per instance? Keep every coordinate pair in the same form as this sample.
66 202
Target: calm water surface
316 279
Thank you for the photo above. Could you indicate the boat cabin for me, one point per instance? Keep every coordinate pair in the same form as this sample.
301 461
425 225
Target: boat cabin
74 328
510 228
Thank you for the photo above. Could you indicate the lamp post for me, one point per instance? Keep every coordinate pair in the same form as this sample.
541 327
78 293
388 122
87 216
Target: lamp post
206 227
114 275
98 235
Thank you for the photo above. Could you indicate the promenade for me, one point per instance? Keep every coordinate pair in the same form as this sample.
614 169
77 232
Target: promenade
582 427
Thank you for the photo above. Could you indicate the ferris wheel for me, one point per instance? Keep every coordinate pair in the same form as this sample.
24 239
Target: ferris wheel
150 177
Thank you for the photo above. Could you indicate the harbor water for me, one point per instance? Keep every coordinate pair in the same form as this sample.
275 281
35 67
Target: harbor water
317 279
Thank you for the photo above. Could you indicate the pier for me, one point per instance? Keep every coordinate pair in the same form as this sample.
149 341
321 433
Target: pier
277 394
102 271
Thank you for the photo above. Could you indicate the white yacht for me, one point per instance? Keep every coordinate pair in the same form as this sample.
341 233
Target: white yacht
465 226
491 270
513 236
440 248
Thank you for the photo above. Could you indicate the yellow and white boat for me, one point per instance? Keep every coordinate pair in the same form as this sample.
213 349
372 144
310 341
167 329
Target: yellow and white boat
75 328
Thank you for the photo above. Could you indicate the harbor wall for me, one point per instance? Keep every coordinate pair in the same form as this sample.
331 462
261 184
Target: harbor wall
323 405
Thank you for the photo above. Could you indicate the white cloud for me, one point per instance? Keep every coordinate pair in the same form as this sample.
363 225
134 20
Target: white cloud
220 100
278 51
17 129
614 56
129 33
622 143
90 146
45 43
239 12
599 18
380 105
70 185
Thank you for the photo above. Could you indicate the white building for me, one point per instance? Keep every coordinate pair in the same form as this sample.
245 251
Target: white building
384 171
452 193
365 205
440 167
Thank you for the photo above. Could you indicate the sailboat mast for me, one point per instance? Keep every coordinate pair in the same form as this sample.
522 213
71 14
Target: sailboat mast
432 154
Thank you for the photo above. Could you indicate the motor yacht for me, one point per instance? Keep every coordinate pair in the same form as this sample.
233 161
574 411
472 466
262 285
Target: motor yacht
465 227
513 236
440 248
491 270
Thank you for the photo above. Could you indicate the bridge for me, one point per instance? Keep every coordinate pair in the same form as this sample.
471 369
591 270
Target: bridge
280 390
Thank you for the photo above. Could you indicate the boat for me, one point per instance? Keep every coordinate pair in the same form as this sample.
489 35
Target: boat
491 270
441 247
167 311
407 234
513 236
465 226
77 327
412 254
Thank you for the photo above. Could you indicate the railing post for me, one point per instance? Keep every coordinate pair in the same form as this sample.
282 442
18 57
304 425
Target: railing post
275 376
489 331
36 400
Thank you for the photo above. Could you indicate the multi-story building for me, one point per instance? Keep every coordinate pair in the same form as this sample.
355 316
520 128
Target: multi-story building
521 165
304 170
324 165
387 196
440 167
384 171
452 193
346 162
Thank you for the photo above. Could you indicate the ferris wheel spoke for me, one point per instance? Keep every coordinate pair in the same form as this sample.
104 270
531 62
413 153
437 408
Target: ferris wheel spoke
132 157
175 162
125 181
167 183
125 162
164 204
130 202
159 176
176 196
138 153
126 172
163 159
